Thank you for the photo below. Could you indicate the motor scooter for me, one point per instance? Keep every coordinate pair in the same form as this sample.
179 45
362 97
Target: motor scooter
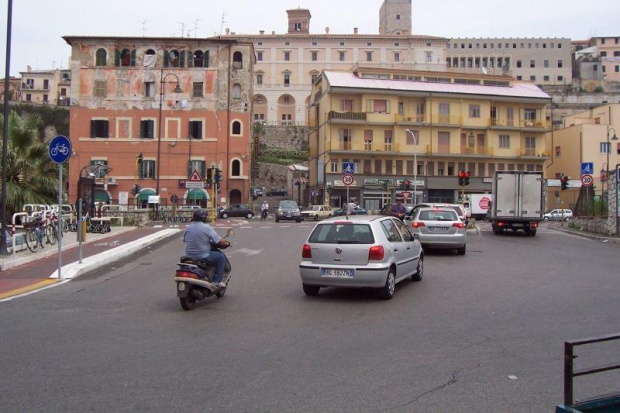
194 279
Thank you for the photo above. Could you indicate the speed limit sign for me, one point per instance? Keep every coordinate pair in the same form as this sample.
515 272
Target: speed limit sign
347 179
587 180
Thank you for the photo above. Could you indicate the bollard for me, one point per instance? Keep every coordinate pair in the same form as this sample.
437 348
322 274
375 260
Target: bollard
83 231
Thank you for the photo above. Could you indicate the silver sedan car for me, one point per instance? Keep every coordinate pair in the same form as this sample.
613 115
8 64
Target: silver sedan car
360 252
440 227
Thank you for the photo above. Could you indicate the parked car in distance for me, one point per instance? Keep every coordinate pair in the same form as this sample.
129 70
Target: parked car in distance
460 210
288 210
558 214
237 210
189 207
343 211
317 212
387 210
360 252
256 192
277 192
439 227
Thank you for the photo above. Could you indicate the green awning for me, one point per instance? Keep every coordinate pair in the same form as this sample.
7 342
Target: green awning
102 196
145 193
196 194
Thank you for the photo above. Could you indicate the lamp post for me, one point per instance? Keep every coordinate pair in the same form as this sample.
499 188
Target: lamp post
135 175
5 131
177 89
415 166
615 138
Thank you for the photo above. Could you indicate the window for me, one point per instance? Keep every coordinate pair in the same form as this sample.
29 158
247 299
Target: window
236 91
147 129
546 63
605 147
236 128
387 139
532 63
603 54
334 166
518 63
197 89
546 78
287 79
558 151
238 60
45 98
530 145
530 116
147 169
397 57
196 165
195 129
101 57
378 106
504 141
560 64
533 78
345 139
315 56
235 169
28 97
259 56
429 56
561 78
99 128
444 112
101 89
172 58
287 56
369 56
259 79
474 111
99 172
125 58
398 17
149 59
342 56
314 76
346 105
199 58
368 140
296 26
149 89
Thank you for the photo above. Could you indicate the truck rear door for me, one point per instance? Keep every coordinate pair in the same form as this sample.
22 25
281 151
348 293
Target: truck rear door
531 196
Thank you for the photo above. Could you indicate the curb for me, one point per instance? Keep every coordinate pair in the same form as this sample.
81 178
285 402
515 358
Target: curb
594 237
75 269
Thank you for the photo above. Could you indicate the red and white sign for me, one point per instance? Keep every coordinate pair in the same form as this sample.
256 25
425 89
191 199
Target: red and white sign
347 179
406 195
587 180
194 181
485 203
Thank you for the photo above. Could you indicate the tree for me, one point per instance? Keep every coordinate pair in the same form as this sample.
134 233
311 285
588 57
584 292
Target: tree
31 177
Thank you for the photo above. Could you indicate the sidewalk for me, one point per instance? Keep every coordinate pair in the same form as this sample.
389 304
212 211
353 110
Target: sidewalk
26 271
557 226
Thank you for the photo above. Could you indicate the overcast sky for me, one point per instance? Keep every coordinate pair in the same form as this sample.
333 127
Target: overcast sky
39 24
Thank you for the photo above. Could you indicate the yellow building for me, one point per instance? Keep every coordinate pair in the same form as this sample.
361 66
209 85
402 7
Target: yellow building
51 87
585 137
425 127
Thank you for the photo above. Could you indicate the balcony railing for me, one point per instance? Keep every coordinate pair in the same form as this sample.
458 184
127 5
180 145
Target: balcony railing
476 150
362 147
352 116
410 118
447 119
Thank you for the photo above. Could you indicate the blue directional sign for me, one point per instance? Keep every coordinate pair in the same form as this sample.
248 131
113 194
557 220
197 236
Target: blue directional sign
348 168
60 149
587 168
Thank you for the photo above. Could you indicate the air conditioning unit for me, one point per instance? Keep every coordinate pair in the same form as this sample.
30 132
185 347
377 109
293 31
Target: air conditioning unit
112 181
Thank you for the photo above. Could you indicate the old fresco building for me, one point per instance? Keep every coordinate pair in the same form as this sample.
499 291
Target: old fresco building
287 64
457 122
119 120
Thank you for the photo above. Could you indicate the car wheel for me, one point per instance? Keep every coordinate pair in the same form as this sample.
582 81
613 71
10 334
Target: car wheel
546 218
387 292
224 215
277 220
249 215
419 272
461 251
311 290
316 217
298 220
533 232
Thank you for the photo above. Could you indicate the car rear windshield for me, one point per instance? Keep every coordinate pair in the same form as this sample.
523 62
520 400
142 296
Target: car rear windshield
288 204
345 233
438 215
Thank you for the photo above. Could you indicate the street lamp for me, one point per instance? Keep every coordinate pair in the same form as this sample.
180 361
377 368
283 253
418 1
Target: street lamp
135 175
615 138
415 166
177 89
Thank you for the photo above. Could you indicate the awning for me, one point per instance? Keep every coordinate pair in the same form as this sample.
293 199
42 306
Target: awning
102 196
197 194
145 193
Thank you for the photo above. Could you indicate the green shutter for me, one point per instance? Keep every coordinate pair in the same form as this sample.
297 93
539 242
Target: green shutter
182 58
166 58
190 59
93 129
117 58
133 58
205 62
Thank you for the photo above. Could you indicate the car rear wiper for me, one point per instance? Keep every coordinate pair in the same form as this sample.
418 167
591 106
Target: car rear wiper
348 241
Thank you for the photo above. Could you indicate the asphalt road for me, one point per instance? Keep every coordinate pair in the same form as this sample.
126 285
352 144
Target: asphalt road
482 332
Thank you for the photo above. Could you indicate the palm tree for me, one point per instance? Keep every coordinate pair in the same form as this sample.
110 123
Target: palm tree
31 177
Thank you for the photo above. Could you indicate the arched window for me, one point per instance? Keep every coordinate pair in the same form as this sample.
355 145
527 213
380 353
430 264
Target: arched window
101 57
238 60
236 128
150 58
199 58
174 58
125 57
236 91
236 167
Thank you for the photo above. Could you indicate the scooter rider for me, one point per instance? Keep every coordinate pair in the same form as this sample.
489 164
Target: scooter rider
197 238
264 209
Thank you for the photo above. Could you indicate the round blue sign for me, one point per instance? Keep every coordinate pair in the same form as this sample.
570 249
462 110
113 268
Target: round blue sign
60 149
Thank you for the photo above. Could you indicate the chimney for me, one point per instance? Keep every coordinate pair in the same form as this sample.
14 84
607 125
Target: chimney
327 30
261 32
273 32
355 30
28 68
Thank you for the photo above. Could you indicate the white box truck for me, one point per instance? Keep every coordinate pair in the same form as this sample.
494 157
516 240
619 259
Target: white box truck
518 201
478 205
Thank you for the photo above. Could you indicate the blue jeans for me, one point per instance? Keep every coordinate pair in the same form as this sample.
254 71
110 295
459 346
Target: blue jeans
218 260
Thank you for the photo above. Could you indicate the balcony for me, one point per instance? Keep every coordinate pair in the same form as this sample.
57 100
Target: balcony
347 116
447 120
355 147
476 151
518 123
410 118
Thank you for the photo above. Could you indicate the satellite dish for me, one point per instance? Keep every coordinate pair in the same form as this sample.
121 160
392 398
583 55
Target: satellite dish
484 70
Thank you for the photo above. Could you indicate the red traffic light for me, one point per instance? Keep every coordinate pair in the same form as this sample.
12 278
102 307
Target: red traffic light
461 174
467 174
407 183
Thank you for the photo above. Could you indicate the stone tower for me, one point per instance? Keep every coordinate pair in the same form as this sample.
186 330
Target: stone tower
395 17
298 21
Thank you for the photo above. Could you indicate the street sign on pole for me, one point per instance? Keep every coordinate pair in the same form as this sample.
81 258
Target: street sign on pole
587 180
348 168
587 168
347 179
60 152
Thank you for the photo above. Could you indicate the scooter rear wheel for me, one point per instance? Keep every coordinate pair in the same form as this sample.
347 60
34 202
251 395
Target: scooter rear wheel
187 303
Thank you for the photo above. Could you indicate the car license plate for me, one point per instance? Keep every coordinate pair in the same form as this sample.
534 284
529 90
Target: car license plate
181 286
437 229
288 215
337 273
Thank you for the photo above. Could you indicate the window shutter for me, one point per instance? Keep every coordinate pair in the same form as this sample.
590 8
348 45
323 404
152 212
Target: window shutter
189 168
92 129
141 172
182 58
202 169
166 58
370 105
117 58
387 106
133 58
142 129
190 59
105 129
205 62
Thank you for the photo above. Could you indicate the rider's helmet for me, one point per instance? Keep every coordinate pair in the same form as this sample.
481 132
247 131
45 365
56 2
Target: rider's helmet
200 215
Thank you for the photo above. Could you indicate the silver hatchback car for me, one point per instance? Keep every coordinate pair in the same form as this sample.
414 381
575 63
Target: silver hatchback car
440 227
360 252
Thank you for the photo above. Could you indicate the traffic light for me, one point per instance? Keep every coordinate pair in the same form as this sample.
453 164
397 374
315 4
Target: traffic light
407 184
466 178
461 178
564 182
209 176
218 176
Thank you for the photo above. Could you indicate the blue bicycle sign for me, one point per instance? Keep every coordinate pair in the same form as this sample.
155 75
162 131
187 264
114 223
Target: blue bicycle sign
60 149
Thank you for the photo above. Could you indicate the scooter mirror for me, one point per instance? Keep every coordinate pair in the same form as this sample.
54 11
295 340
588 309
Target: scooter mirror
229 232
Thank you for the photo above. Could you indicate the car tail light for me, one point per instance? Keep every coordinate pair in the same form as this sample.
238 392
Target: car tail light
458 225
417 224
534 225
500 224
376 253
185 274
306 252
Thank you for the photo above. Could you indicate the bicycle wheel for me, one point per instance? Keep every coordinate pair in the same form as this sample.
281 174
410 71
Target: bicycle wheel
51 234
31 240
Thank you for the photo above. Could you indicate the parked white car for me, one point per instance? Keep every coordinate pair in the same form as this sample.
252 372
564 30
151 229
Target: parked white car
557 215
317 212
